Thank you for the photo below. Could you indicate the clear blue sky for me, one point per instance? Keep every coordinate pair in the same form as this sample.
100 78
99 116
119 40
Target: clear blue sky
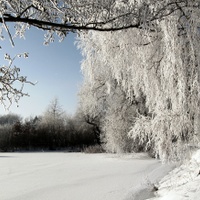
56 68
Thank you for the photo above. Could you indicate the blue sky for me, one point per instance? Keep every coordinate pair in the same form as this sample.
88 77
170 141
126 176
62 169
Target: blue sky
56 68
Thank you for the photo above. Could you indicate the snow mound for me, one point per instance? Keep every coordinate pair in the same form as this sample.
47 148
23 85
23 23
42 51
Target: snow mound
183 183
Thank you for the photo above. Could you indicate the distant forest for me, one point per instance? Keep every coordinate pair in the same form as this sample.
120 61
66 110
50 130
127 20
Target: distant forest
53 130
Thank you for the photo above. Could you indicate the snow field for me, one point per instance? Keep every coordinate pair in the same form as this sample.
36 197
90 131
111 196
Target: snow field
77 176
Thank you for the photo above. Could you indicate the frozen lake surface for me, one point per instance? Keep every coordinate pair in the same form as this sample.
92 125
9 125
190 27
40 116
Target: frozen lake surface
76 176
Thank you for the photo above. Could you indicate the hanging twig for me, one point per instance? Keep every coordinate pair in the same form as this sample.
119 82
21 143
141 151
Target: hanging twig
9 34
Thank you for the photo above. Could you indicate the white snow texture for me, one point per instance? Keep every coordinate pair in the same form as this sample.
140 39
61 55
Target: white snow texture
75 176
78 176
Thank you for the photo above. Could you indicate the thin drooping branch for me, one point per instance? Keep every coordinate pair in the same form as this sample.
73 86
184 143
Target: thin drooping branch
9 34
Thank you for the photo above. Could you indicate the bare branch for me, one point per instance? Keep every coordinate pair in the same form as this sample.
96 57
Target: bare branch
9 34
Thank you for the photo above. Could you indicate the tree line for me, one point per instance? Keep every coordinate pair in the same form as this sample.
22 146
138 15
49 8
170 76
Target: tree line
53 130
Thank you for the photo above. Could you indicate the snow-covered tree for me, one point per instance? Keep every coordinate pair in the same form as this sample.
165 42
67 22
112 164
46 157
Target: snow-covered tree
53 121
101 97
159 66
92 105
54 112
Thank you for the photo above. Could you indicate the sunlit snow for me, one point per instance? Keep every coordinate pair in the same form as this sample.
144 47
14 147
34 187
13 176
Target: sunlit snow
77 176
183 183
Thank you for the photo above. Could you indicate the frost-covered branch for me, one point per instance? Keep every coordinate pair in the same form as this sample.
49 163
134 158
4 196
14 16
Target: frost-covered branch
11 82
106 15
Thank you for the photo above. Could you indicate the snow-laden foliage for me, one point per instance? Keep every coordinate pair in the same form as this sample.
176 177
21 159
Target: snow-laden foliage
101 97
99 14
117 120
171 88
162 68
62 16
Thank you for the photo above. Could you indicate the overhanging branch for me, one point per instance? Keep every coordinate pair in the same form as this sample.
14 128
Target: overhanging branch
81 17
64 27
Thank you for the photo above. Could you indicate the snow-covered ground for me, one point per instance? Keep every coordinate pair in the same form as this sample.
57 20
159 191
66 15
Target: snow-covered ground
183 183
78 176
